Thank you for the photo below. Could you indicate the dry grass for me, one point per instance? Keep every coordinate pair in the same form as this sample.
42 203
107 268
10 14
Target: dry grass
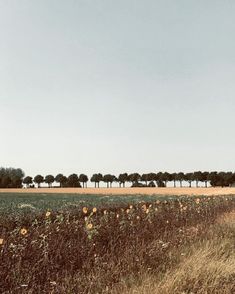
207 267
131 191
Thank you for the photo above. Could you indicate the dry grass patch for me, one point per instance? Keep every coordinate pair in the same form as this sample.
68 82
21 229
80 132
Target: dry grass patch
207 267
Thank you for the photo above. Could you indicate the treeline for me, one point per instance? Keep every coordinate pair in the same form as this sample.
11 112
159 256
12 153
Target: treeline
160 179
11 177
15 178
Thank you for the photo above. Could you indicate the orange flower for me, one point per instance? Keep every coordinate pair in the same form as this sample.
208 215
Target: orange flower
85 210
48 213
89 226
23 231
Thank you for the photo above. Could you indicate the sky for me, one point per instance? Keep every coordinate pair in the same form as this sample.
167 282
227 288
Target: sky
110 86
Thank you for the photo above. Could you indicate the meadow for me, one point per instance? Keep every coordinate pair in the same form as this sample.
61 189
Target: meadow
65 243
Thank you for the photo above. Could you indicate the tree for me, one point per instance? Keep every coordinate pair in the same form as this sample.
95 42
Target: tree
174 178
205 178
28 181
83 179
189 177
134 178
180 178
38 179
197 177
49 179
109 179
73 181
165 177
145 179
61 179
11 177
122 179
97 178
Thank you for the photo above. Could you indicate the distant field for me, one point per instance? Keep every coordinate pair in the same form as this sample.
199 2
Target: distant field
129 191
36 202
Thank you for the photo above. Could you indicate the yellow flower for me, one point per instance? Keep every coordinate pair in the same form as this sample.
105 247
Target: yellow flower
89 226
48 213
85 210
94 210
1 241
23 231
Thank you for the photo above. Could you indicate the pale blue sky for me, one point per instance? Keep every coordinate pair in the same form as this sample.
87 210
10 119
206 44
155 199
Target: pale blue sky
117 86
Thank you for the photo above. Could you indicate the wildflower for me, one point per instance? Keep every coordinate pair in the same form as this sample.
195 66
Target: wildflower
131 206
1 241
144 207
48 213
185 208
137 217
117 215
167 222
89 226
156 209
150 205
158 201
197 200
105 211
86 218
147 211
85 210
23 231
127 211
94 210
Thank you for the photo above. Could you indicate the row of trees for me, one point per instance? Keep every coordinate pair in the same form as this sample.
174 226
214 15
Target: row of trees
160 179
14 178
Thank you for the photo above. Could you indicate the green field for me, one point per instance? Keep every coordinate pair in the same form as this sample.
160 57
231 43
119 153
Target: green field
35 202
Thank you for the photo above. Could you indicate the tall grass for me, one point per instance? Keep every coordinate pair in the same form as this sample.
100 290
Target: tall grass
88 250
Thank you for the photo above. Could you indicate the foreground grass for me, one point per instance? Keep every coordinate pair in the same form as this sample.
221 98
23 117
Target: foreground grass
175 246
205 266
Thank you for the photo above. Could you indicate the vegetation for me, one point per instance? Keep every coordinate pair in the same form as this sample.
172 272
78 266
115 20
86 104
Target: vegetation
14 178
83 248
11 177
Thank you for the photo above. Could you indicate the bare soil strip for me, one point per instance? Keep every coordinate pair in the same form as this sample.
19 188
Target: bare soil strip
129 191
